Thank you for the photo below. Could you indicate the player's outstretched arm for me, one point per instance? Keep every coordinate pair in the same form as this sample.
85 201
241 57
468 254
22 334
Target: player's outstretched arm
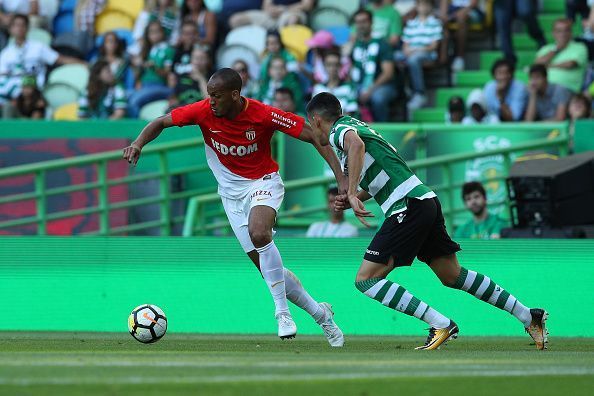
307 135
148 134
355 149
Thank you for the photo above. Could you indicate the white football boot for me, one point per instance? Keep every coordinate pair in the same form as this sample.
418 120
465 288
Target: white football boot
286 325
331 330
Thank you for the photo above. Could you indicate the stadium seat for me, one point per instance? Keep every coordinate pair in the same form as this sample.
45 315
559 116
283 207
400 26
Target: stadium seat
478 78
341 34
429 115
443 95
77 76
347 6
49 8
67 112
77 44
251 36
228 54
487 58
40 35
63 23
553 6
129 7
214 5
67 5
152 110
60 94
325 18
113 20
294 37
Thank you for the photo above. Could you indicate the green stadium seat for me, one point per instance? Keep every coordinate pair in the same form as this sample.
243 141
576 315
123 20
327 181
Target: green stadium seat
323 18
487 58
429 115
443 95
347 6
60 94
478 78
77 76
553 6
152 110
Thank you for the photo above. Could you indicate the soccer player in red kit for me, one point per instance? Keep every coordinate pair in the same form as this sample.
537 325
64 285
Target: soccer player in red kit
237 132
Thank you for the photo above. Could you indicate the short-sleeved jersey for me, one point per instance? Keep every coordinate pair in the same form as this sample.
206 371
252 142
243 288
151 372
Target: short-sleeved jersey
238 150
385 175
489 228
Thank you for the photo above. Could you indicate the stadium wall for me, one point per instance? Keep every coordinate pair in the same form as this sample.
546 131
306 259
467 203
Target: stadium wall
208 285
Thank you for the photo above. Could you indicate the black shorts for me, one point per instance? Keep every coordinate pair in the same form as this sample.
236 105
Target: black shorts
419 231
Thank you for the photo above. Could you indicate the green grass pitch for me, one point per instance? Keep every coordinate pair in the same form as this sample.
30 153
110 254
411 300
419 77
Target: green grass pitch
88 364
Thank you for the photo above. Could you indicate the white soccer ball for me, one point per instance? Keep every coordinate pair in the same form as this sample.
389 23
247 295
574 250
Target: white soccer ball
147 323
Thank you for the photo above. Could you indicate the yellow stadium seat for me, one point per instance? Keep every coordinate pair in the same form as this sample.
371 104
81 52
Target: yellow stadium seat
67 112
112 20
129 7
295 38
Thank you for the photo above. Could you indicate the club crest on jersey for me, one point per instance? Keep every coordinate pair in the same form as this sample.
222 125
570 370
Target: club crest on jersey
250 134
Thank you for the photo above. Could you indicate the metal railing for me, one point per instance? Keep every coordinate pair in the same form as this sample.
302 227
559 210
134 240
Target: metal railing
197 220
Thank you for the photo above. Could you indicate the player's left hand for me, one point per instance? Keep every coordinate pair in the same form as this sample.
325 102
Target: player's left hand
131 154
341 203
359 209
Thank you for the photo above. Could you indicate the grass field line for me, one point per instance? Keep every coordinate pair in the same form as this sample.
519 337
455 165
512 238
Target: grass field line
177 379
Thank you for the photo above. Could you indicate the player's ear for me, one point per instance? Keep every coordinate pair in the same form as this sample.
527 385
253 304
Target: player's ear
236 95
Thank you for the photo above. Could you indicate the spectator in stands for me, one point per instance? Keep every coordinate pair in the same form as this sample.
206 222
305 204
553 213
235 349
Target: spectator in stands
505 10
86 13
372 70
112 50
336 227
284 100
279 76
586 9
152 68
506 96
40 13
274 14
276 48
579 107
476 103
456 110
183 52
547 101
22 57
250 86
581 7
344 90
566 60
164 11
206 21
462 12
313 68
30 103
483 225
191 86
105 99
421 39
387 23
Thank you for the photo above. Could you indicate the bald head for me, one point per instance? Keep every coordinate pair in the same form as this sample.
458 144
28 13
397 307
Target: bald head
228 79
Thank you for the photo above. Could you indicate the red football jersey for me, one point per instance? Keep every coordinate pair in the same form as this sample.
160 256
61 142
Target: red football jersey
242 145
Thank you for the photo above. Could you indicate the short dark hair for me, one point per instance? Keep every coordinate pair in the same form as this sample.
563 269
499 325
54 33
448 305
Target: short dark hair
362 11
470 187
230 78
538 69
285 91
326 105
503 62
333 190
456 103
24 17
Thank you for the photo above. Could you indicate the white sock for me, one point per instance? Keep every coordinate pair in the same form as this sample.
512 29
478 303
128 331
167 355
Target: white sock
271 266
435 319
300 297
522 313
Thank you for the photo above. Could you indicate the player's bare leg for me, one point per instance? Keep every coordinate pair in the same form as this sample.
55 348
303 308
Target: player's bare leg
260 223
371 282
321 312
451 274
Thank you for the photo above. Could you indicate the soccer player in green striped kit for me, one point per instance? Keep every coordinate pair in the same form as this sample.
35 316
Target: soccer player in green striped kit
414 227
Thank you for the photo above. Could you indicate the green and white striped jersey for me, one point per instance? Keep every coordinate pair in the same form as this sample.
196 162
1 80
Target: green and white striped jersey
385 175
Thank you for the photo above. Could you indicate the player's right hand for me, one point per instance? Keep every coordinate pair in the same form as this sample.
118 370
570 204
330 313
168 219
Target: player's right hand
131 154
341 202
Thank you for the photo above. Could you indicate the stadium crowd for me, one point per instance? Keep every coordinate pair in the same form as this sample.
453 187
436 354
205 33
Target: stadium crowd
375 62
